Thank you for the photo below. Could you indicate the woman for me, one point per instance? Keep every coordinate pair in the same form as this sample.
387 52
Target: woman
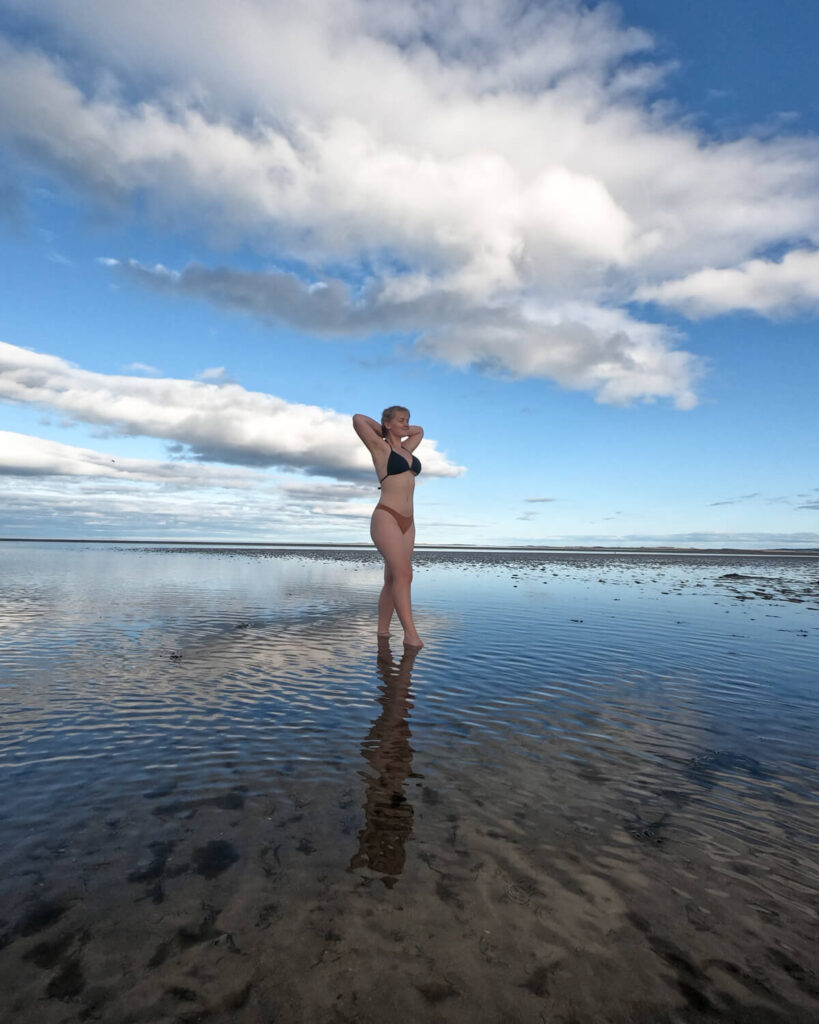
391 444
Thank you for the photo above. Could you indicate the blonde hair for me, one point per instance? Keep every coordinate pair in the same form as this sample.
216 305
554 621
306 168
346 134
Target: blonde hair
388 414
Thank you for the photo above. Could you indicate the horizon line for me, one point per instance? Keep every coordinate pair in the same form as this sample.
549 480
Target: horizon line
631 548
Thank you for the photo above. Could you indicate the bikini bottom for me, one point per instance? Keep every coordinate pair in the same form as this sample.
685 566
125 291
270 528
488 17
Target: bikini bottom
405 522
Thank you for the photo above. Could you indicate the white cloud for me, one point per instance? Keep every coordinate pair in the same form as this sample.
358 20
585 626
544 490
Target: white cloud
52 489
207 422
768 287
581 346
146 368
25 455
601 350
315 491
47 486
528 169
78 506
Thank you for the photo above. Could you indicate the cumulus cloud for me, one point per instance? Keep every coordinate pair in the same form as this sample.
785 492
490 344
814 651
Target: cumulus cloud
321 492
593 349
25 455
578 345
46 485
206 422
69 506
767 287
529 170
52 489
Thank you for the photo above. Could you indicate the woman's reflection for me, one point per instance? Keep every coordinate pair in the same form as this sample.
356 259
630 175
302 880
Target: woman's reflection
388 823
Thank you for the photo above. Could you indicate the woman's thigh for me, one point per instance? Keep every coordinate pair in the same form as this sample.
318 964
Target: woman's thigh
409 541
391 543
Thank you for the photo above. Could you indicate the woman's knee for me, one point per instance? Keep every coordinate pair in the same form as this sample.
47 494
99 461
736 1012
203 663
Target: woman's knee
402 573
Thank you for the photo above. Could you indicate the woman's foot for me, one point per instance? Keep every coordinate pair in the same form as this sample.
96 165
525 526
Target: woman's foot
413 640
379 633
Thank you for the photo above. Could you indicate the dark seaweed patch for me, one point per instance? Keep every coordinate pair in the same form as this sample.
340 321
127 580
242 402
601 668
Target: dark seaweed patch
696 999
436 991
161 954
214 858
538 982
68 983
46 954
42 915
185 995
237 1000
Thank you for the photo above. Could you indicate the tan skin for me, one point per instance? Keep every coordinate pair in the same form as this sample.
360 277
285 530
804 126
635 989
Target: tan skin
396 492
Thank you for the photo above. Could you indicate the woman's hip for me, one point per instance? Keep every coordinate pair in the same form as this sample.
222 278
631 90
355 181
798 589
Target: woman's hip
404 522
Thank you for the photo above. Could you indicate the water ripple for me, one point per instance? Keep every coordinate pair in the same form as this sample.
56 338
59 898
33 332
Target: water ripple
613 707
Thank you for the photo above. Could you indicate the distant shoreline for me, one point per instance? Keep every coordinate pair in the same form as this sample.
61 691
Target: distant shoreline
322 545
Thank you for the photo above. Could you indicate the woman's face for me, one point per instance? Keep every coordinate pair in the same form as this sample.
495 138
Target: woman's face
397 426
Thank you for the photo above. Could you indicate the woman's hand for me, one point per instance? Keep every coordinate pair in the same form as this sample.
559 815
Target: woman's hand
415 435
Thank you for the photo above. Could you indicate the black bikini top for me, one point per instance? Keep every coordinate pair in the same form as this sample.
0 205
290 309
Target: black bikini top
398 464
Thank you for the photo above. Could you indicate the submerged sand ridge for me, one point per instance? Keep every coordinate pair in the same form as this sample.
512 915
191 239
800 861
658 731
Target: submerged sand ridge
582 801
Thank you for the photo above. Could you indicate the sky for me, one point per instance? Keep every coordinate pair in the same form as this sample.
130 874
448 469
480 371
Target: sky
579 241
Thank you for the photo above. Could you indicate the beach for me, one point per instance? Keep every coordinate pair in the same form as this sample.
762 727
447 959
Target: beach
591 797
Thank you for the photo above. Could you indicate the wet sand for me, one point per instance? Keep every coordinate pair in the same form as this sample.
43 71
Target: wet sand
487 849
251 910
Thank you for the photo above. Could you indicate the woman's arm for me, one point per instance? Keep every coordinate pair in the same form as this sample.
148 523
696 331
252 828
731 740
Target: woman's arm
368 430
415 435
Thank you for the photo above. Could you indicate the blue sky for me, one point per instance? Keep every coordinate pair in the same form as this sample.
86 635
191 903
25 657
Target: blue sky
578 241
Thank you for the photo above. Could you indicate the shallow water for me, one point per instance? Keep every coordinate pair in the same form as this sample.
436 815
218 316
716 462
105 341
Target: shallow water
591 796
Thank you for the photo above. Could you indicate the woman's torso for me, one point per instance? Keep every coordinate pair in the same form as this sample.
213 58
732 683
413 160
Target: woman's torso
397 488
